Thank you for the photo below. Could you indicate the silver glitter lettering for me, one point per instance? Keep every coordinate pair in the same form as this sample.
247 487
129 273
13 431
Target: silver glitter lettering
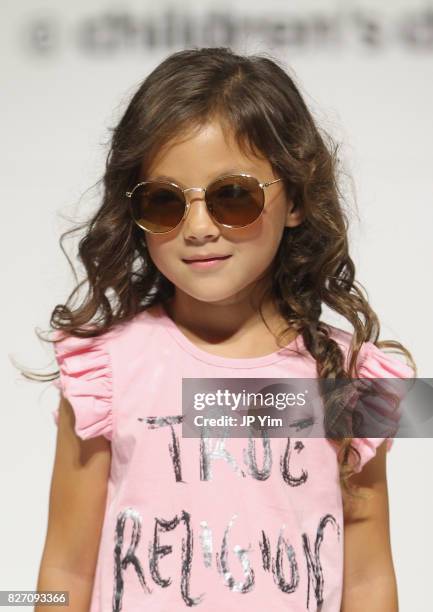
174 448
313 562
288 478
209 451
251 461
277 565
223 567
205 538
120 564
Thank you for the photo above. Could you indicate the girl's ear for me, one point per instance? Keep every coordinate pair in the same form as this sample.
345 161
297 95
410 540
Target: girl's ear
295 215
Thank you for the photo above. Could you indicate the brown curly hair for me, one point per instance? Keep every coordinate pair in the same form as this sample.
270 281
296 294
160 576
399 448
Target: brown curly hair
255 98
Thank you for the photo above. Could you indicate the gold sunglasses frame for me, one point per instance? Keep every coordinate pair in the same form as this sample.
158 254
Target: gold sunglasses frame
129 195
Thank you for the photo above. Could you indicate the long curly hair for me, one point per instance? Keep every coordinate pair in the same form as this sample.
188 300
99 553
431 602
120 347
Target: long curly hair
255 98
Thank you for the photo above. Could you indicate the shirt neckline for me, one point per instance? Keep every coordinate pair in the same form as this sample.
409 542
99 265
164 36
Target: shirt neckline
186 344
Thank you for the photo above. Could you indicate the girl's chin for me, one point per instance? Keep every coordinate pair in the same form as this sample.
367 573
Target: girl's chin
221 295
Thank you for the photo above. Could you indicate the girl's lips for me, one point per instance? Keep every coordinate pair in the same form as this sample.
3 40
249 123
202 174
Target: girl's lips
207 263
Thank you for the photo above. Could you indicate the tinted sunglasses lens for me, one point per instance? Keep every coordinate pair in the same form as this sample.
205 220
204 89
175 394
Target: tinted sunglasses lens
157 207
236 201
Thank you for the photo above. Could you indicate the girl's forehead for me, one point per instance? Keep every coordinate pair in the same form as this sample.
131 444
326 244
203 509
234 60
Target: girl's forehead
170 170
214 135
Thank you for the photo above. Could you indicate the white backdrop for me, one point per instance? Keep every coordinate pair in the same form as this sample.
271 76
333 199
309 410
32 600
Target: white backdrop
68 69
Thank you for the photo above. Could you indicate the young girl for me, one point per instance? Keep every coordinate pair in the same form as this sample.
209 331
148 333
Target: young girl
219 238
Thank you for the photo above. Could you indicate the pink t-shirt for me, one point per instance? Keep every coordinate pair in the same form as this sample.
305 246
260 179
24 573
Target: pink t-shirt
212 524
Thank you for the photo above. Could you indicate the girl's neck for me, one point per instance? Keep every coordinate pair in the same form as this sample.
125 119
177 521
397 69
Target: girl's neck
237 324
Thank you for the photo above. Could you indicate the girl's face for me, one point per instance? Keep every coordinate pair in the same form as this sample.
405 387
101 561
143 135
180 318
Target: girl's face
195 163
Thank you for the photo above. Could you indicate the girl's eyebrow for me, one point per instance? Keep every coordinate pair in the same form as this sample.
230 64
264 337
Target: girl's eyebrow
238 170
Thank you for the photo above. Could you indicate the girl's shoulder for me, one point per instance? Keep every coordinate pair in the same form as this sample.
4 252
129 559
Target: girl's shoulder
373 362
388 371
86 370
123 331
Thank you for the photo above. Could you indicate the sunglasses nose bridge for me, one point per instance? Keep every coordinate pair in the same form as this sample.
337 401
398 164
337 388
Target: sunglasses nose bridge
194 189
188 199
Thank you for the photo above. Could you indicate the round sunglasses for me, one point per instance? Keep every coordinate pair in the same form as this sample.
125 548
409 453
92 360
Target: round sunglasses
232 200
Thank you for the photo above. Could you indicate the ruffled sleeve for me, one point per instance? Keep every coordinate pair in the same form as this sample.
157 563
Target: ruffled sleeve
86 381
377 364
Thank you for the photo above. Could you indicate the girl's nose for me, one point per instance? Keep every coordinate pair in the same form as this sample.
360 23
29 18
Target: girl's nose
198 223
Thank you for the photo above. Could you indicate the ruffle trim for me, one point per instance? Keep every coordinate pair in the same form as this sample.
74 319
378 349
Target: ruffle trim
378 364
86 381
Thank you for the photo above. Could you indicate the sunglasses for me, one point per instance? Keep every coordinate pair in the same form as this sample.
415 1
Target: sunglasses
232 200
